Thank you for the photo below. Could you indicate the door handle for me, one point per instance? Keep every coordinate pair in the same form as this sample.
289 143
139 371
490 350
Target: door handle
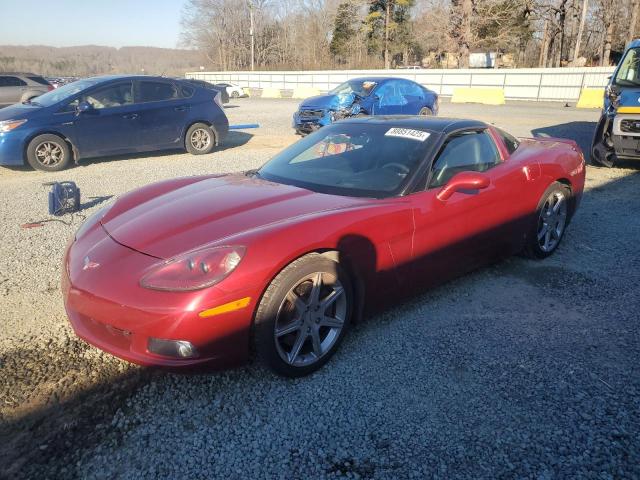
183 108
130 116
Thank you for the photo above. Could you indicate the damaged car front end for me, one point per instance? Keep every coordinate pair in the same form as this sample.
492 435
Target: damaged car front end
342 102
617 135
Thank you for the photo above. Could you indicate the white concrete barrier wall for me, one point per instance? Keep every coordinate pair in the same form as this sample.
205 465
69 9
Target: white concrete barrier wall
537 84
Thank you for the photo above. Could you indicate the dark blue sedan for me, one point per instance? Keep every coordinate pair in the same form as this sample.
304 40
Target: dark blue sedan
365 96
109 116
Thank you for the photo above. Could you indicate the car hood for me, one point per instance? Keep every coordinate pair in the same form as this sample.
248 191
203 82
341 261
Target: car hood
329 101
18 111
164 220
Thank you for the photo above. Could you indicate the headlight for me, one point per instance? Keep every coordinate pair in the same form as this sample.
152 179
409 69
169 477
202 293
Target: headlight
194 270
92 220
8 125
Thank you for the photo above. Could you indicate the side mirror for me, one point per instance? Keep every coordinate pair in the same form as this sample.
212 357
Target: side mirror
463 181
83 107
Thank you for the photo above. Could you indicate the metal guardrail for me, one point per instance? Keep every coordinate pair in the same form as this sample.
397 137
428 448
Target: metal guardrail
535 84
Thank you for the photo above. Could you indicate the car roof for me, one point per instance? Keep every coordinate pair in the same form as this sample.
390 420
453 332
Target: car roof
435 124
379 79
106 78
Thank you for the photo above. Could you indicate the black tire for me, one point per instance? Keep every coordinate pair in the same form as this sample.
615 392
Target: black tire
235 94
193 139
534 249
57 158
273 307
425 111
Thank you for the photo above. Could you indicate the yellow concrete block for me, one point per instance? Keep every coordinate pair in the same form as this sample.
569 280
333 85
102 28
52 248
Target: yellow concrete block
305 92
271 92
247 91
591 98
484 95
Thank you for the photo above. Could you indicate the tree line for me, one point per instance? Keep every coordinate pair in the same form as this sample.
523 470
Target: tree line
328 34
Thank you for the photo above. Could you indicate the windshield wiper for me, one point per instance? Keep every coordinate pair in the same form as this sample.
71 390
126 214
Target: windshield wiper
623 81
252 173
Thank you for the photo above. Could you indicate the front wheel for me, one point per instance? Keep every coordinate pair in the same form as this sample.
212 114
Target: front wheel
235 94
425 111
303 316
49 153
552 217
199 139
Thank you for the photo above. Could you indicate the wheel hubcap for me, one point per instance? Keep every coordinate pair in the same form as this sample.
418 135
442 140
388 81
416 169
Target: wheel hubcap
310 319
200 139
49 153
552 220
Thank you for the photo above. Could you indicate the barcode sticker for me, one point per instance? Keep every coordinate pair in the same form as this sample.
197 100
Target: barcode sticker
418 135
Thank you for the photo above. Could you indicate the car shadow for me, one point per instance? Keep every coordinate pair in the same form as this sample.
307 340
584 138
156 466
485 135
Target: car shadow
233 139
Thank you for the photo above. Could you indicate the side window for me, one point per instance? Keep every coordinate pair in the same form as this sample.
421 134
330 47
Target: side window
470 151
11 82
149 91
511 142
105 97
187 91
389 95
409 89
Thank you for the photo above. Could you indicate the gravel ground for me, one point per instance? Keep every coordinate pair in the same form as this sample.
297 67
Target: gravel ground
521 370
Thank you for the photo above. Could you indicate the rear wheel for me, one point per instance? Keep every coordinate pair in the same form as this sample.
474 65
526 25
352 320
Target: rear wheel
552 217
199 139
303 316
49 153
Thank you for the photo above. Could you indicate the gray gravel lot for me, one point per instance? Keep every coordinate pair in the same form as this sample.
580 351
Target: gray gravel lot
521 370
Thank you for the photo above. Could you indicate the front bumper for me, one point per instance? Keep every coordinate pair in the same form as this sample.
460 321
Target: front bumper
108 309
12 147
307 124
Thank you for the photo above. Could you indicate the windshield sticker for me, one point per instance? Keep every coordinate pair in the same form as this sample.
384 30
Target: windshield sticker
418 135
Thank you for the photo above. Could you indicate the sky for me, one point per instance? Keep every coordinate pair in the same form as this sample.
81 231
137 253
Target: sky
113 23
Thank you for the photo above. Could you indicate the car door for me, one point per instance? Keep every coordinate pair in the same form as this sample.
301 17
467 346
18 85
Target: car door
388 100
110 125
413 97
163 113
470 228
11 89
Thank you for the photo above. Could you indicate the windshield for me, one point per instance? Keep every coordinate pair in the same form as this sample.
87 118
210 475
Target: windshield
361 88
352 159
628 73
64 92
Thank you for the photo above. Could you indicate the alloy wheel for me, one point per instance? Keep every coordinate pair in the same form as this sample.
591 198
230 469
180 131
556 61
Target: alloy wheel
552 220
49 153
310 319
200 139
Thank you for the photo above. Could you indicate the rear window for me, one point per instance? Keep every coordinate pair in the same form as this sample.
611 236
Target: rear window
511 142
8 81
39 80
156 92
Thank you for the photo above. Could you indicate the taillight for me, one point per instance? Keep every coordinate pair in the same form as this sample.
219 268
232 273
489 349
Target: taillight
49 87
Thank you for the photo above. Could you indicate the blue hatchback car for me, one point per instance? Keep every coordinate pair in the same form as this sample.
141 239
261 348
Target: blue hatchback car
365 96
111 115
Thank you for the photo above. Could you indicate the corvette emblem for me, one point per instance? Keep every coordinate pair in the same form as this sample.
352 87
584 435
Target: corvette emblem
89 264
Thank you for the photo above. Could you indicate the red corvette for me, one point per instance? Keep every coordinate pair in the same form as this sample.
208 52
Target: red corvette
280 261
